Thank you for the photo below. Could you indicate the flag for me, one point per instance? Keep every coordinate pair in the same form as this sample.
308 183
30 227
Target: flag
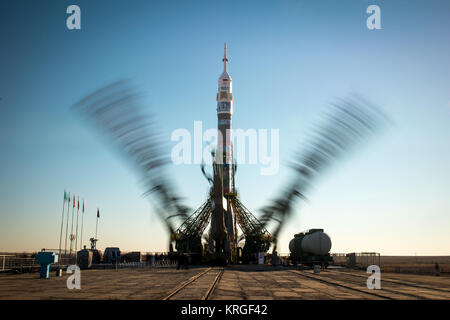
69 197
74 201
98 213
65 196
78 203
83 206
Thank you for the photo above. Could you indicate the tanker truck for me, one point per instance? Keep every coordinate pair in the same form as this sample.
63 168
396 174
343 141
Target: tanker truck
311 247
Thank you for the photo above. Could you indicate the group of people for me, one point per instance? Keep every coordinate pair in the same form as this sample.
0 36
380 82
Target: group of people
168 259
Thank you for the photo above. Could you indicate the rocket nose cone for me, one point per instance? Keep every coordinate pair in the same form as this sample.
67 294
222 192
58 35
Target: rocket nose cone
225 75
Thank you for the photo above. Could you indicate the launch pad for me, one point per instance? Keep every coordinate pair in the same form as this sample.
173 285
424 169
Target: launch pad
222 210
117 110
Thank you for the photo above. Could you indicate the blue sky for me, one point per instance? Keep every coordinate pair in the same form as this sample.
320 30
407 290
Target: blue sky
288 59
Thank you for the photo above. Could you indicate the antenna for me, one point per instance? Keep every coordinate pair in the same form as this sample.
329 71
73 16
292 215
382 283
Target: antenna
225 59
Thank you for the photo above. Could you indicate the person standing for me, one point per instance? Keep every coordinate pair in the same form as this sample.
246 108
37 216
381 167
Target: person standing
437 272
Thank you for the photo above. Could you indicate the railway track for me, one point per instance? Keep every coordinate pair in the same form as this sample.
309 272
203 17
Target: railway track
395 291
401 282
202 285
413 290
334 283
199 287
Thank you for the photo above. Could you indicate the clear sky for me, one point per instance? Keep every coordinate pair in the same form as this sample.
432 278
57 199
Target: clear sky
288 59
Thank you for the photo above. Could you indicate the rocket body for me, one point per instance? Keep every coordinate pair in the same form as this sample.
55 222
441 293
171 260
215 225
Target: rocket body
222 233
224 155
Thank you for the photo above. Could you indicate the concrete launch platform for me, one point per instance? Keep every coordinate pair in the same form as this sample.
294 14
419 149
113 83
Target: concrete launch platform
234 283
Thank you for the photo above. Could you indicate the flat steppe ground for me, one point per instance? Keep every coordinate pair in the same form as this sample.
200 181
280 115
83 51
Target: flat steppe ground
415 264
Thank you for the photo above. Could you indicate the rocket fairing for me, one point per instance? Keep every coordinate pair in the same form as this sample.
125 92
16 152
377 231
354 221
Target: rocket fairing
224 155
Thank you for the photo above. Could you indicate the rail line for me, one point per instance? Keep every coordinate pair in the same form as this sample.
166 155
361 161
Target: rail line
184 285
213 285
394 291
341 285
398 289
400 282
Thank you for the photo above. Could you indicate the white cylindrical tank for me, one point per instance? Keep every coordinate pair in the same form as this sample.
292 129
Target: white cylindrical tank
318 243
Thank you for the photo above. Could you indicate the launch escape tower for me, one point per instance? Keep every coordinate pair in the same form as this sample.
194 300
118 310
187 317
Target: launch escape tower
223 209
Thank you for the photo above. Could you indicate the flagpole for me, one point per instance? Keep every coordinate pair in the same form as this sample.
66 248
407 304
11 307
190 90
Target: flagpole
60 234
76 237
82 218
71 228
96 224
67 225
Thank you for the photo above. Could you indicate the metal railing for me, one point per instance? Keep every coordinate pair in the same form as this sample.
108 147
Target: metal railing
137 265
12 263
357 260
3 258
339 259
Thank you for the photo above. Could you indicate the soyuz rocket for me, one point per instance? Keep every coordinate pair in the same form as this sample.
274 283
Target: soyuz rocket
222 232
224 114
